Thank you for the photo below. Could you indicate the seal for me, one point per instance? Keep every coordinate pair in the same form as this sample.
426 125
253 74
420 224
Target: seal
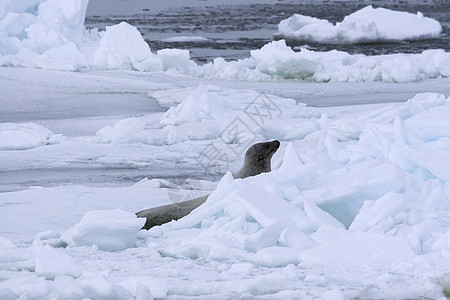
257 160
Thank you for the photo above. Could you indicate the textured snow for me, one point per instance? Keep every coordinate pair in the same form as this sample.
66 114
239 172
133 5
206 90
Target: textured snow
367 25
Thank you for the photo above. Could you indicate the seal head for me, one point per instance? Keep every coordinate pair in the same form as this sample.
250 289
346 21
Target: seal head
257 159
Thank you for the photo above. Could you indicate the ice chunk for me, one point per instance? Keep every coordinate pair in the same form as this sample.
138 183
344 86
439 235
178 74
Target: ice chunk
322 217
175 59
363 26
109 230
290 159
66 57
196 107
122 47
266 208
124 131
264 238
99 287
52 262
157 287
343 196
276 59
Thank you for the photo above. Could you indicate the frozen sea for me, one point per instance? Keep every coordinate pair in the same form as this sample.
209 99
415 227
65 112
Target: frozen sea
357 205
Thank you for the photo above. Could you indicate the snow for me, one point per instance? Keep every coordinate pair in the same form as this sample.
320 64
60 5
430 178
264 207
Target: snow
356 206
367 25
53 262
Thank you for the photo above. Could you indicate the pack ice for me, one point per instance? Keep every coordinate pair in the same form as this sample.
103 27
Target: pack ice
51 35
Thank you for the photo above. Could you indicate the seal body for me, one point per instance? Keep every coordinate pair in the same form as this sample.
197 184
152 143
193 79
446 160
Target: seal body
257 161
166 213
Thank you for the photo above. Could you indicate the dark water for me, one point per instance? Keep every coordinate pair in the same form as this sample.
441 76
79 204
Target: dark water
237 29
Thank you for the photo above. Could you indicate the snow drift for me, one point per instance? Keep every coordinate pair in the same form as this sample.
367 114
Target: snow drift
367 25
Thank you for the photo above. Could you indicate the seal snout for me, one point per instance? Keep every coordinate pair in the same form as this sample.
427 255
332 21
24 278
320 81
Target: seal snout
275 144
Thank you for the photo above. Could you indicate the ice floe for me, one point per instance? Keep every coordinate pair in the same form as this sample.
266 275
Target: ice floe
367 25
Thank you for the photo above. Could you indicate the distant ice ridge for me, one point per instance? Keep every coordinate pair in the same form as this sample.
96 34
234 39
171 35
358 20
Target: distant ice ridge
367 25
50 34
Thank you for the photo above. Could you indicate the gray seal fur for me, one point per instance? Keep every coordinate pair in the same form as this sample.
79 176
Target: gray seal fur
257 160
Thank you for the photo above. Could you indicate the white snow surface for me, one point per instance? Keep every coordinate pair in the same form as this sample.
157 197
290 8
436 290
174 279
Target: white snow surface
51 35
367 25
357 205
